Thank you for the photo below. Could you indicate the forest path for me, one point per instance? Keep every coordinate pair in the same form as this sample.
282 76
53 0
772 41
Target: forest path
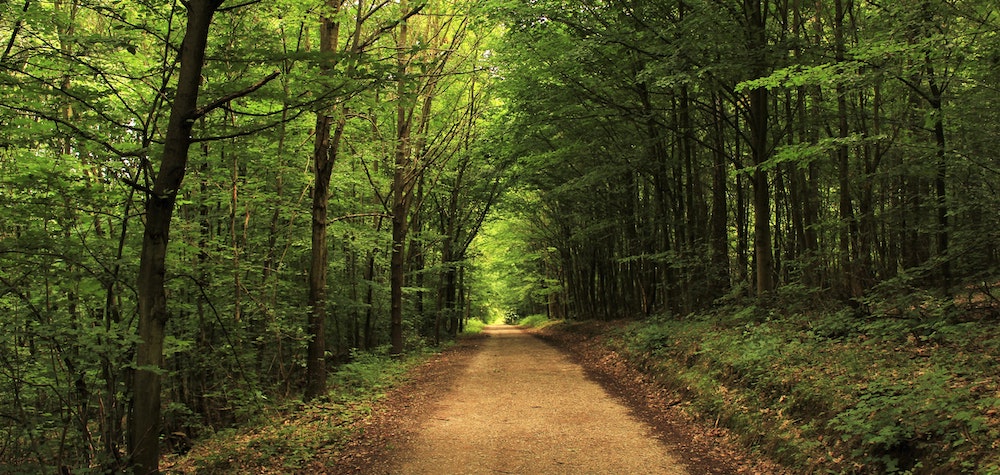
522 406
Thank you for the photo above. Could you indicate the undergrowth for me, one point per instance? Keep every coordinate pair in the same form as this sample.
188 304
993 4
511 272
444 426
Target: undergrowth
535 321
473 326
287 438
831 391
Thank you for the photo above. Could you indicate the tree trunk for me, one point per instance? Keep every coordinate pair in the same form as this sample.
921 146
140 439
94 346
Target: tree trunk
940 178
152 298
719 230
758 118
400 195
397 275
848 225
369 279
325 151
324 155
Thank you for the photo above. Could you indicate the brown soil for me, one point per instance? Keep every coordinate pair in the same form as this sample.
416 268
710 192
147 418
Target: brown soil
506 402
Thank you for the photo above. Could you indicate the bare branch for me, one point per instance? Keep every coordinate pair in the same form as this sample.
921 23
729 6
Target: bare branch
358 215
13 36
236 95
238 6
388 27
136 186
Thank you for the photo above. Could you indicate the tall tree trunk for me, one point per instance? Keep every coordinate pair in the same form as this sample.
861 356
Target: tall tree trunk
400 193
940 177
758 118
848 225
152 299
369 279
325 152
397 276
719 231
418 257
324 155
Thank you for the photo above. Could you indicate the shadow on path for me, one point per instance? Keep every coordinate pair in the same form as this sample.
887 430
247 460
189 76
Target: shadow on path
521 406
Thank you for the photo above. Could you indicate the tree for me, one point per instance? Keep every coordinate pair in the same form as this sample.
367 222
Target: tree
84 105
160 202
833 115
424 53
327 144
757 118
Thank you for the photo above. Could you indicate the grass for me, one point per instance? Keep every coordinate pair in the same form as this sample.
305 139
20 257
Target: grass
290 437
474 326
535 321
833 392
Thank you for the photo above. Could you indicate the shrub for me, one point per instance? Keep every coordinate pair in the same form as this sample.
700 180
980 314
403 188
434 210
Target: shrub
474 326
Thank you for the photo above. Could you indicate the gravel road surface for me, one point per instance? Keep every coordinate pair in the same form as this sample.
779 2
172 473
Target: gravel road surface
521 406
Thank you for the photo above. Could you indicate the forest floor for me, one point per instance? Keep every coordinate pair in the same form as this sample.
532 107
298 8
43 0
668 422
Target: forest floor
508 402
818 390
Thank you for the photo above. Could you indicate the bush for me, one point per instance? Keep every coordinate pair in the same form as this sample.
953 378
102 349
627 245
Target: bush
474 326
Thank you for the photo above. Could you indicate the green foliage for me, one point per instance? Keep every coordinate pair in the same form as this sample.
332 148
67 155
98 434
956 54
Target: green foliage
368 372
612 120
289 436
830 391
514 272
535 321
84 103
474 326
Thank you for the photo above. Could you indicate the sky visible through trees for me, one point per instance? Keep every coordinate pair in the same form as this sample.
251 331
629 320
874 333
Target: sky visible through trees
206 205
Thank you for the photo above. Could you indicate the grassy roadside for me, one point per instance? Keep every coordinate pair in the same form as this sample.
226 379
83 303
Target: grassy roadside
290 437
536 322
830 392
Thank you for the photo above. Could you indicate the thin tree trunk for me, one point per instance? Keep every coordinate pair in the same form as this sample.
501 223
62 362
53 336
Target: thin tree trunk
758 121
400 194
719 232
369 278
324 155
940 178
848 224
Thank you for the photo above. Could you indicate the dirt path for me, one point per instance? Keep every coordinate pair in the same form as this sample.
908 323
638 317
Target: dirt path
521 406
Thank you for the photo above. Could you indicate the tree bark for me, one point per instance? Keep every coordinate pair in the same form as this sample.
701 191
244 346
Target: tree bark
848 225
324 155
940 177
152 299
758 121
400 195
719 225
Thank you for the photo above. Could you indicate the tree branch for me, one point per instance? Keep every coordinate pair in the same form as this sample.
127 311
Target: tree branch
137 186
241 133
13 36
388 27
236 95
77 130
358 215
236 7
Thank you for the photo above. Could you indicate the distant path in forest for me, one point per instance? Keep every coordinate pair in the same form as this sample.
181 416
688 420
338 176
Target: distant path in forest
521 406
